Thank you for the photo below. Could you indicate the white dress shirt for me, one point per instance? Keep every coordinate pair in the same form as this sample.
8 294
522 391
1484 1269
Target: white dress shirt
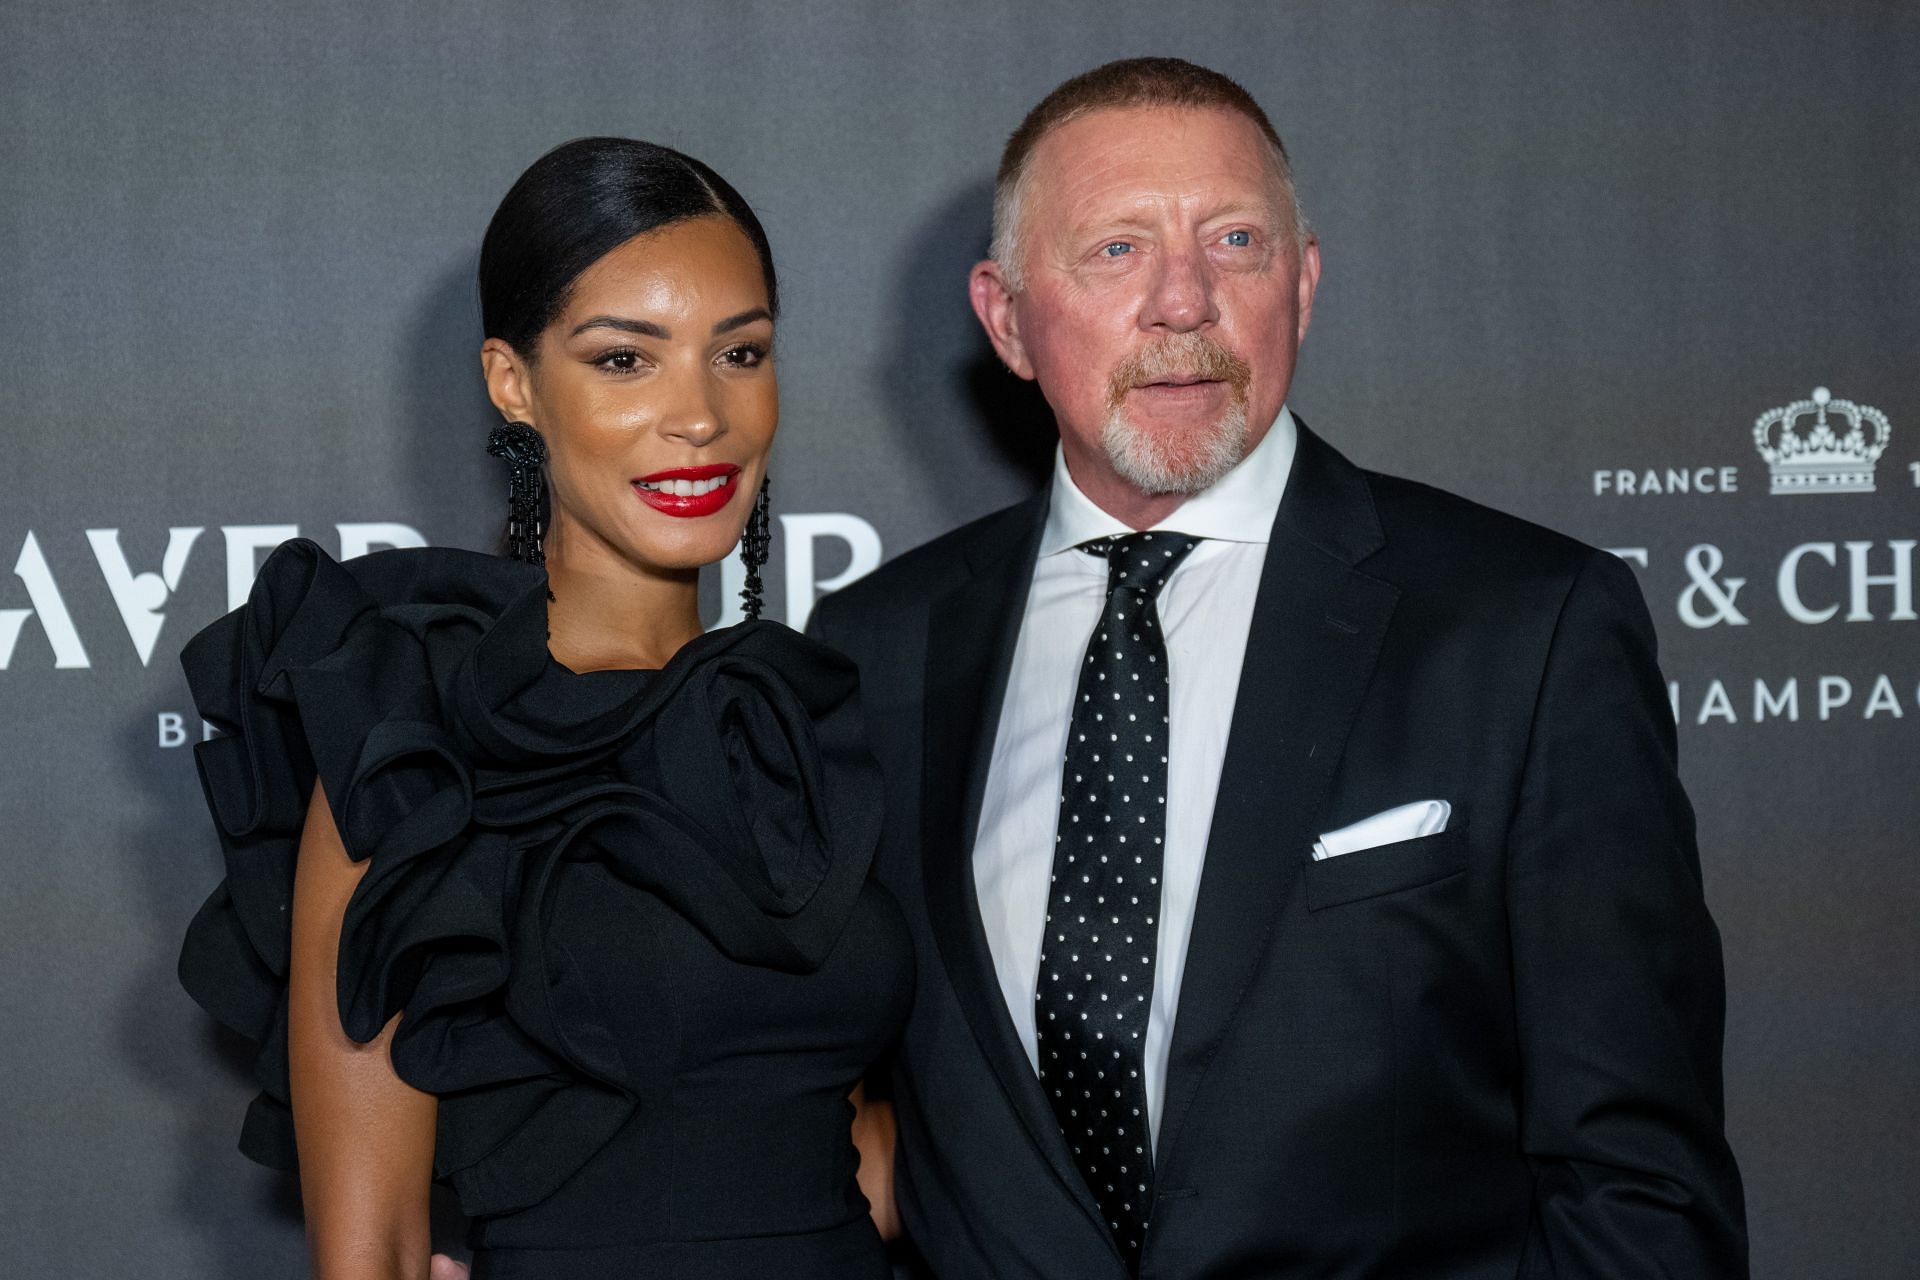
1205 610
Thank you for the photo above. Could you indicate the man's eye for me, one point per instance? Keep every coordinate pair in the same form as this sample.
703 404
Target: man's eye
1239 239
1116 249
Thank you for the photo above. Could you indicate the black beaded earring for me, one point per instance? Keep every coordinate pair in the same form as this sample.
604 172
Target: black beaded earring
526 456
755 543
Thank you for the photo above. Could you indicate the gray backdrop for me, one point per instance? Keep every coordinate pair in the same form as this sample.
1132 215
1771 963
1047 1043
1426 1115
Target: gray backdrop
1561 239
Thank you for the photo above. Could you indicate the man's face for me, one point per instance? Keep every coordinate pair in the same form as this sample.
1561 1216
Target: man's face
1162 299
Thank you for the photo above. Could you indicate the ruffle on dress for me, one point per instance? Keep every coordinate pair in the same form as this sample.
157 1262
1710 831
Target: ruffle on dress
469 770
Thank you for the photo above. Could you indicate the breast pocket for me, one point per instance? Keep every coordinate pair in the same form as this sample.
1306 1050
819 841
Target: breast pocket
1386 868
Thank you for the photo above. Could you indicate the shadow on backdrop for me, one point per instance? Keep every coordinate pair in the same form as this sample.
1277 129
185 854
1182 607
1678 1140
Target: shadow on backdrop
965 414
442 416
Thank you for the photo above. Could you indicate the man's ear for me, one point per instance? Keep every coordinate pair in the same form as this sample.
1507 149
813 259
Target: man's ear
509 380
993 303
1309 281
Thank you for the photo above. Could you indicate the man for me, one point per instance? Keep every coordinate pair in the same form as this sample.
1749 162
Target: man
1302 880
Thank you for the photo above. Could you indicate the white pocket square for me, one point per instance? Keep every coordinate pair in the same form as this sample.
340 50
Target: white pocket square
1405 822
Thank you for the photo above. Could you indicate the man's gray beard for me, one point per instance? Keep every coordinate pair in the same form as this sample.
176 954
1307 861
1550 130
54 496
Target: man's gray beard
1145 462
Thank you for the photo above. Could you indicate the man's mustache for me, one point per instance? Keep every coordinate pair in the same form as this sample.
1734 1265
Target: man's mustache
1181 355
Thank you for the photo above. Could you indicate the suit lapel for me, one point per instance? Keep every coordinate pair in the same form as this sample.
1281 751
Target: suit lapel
1317 628
972 633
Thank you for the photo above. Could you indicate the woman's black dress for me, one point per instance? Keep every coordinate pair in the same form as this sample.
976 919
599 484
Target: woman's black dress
625 915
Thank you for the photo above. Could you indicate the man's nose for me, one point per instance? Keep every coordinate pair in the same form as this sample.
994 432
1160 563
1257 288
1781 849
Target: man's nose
1181 293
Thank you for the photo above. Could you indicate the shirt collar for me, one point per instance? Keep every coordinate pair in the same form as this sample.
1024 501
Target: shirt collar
1241 507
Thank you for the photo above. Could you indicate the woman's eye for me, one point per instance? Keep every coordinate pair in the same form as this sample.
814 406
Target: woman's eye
1119 248
625 360
1239 239
745 356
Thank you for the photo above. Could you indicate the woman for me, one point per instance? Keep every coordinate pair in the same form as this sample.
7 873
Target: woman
532 886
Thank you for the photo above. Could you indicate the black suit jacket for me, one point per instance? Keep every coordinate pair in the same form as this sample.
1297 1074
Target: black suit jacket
1492 1052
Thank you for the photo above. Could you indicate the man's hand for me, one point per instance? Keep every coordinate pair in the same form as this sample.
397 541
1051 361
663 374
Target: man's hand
445 1268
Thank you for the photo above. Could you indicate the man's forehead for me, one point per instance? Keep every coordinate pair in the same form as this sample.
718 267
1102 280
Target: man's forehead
1151 129
1137 156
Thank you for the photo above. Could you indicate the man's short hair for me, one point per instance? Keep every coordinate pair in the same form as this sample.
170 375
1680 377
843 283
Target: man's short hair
1130 82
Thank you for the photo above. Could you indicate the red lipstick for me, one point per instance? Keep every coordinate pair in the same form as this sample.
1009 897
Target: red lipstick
689 492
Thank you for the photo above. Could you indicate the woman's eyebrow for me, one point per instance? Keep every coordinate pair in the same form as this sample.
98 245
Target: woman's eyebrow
645 328
744 318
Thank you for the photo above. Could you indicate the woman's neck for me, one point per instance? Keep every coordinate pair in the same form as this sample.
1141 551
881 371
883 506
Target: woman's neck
607 613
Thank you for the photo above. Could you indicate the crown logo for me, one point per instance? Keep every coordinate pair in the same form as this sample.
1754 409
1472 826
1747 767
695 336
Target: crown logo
1809 456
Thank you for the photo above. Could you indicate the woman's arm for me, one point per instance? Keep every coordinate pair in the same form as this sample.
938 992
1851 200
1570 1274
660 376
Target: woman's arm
873 1133
365 1136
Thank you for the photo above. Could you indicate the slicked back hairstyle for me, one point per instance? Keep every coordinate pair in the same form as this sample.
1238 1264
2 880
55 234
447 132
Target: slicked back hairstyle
1130 82
576 204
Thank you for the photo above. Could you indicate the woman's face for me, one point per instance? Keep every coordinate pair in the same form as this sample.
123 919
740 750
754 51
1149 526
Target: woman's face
654 390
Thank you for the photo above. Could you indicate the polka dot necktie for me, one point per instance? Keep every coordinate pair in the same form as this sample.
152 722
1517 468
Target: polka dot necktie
1097 957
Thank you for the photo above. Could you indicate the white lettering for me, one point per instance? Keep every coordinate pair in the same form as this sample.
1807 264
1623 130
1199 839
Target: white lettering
1652 481
1673 699
244 542
359 539
140 597
1789 582
799 533
1883 698
1901 580
1716 703
173 729
1835 692
31 568
1706 601
1634 555
1765 704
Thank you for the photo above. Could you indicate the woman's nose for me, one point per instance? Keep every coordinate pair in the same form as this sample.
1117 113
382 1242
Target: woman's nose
695 417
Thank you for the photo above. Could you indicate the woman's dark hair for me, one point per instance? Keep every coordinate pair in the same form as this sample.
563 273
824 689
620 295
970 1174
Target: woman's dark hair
576 204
